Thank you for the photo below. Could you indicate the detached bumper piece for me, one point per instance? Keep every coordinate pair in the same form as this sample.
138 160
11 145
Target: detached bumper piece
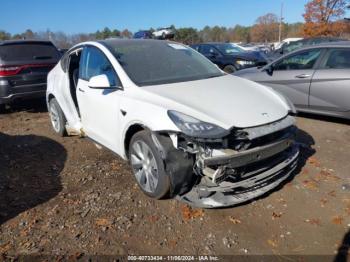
252 173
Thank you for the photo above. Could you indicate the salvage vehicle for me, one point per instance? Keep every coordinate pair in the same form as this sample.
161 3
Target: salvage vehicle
164 33
24 65
189 130
316 79
229 57
145 34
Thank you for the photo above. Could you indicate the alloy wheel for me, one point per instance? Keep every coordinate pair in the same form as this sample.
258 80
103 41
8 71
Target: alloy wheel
145 166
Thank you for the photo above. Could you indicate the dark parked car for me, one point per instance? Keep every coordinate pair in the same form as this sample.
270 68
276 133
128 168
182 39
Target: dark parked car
229 57
24 66
316 79
143 35
292 46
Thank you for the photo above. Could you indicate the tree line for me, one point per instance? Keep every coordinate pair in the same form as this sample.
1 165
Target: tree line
322 18
188 35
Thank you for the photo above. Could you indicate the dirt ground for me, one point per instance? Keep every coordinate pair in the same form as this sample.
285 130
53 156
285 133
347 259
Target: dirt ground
64 196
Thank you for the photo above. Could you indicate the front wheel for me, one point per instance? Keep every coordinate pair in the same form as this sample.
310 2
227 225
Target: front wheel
230 69
57 117
147 166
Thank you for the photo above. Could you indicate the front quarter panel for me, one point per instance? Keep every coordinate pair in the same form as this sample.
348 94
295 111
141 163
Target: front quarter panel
139 112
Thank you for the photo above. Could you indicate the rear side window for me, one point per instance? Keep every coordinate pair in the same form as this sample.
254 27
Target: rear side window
28 52
337 59
303 60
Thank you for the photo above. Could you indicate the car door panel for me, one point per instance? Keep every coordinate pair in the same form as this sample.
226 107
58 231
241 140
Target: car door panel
292 75
330 90
291 85
330 87
99 109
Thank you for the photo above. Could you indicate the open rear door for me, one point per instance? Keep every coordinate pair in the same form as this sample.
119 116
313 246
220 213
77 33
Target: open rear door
63 82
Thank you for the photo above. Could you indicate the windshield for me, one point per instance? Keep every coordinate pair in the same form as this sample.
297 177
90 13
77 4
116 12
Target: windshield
154 62
229 49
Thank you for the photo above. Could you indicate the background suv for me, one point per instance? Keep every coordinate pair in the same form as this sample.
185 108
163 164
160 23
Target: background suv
24 66
229 57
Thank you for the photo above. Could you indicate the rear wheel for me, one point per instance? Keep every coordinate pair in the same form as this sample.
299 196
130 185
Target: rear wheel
57 117
230 69
147 165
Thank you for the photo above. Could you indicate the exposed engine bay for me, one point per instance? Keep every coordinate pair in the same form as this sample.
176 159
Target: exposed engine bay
234 169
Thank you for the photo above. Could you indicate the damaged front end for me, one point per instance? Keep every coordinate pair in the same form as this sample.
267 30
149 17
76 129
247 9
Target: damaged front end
239 167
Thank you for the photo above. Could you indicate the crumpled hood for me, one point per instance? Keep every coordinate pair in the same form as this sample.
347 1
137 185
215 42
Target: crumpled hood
226 101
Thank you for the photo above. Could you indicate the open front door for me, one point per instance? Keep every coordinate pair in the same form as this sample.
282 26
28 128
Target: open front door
99 107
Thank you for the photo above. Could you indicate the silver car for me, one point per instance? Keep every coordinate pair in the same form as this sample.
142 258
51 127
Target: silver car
316 79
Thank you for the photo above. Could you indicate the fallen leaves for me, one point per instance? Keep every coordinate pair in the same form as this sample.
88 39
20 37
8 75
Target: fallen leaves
103 222
276 215
189 213
272 242
325 175
337 220
235 220
323 201
314 162
153 218
313 221
310 184
332 193
5 247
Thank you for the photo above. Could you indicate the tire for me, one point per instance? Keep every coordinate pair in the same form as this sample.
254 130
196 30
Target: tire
58 120
149 171
2 108
230 69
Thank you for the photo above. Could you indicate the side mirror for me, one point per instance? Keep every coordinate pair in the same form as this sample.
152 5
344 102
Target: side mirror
99 82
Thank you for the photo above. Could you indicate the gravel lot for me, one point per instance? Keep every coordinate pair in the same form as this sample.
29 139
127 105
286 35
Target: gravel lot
64 196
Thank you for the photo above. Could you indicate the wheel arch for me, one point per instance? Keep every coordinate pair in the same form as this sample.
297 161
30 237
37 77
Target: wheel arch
130 132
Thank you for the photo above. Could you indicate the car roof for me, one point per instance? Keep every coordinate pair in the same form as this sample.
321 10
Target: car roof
10 42
345 44
340 44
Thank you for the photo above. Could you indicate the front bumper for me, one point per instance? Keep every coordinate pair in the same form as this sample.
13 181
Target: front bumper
258 178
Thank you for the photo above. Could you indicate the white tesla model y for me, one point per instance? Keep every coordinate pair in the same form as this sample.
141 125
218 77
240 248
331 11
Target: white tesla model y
188 129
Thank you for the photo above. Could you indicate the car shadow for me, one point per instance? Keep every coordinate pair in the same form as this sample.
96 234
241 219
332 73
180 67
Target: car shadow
30 168
343 254
37 105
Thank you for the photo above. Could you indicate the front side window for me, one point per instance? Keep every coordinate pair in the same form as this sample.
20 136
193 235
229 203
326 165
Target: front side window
94 63
337 59
153 62
299 61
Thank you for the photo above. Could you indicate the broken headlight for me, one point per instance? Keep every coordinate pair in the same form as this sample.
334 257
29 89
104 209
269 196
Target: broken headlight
193 127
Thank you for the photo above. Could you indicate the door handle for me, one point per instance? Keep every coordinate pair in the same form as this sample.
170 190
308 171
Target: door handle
302 76
81 90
